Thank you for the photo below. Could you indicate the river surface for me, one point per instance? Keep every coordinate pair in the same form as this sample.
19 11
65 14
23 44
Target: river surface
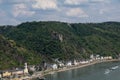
101 71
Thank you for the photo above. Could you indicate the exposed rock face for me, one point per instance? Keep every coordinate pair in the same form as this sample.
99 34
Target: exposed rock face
57 36
60 37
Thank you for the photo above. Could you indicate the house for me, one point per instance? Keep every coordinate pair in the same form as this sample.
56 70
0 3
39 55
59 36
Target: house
91 60
17 72
84 62
20 71
75 62
102 58
8 73
92 56
0 75
61 64
54 66
97 57
5 73
69 63
32 68
108 58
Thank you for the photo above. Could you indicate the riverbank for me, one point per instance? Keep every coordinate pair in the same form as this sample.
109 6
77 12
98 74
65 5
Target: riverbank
47 72
75 67
100 71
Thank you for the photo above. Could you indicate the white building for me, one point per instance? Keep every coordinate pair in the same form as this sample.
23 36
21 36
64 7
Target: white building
101 57
84 62
97 57
92 56
61 64
69 63
108 58
91 60
54 66
17 72
0 75
32 68
75 62
25 69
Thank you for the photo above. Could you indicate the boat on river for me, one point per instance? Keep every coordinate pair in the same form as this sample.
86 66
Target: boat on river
115 67
107 71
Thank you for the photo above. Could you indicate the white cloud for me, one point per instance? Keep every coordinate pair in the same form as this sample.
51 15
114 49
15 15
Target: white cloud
78 2
19 1
76 12
45 4
75 2
100 1
97 0
21 10
102 11
5 19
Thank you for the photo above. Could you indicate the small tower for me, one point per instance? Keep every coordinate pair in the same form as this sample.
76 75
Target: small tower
25 69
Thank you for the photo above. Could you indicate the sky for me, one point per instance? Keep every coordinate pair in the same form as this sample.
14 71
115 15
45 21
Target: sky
13 12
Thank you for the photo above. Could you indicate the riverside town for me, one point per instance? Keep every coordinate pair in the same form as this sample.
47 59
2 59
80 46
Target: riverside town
38 72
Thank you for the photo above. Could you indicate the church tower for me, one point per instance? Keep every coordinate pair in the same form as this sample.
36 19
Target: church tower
25 68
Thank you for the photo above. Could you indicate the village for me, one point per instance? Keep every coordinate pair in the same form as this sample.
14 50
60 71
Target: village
33 71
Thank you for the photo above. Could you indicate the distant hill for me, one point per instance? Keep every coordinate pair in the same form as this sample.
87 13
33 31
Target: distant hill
63 40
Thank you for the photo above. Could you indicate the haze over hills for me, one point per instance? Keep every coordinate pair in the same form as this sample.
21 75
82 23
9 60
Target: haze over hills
31 41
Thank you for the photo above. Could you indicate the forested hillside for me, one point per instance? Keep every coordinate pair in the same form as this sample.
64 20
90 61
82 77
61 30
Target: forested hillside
12 55
62 40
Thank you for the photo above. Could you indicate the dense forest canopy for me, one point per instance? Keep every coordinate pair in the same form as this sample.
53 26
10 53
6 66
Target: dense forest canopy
37 41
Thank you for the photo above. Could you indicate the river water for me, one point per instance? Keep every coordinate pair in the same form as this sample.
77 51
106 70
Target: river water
101 71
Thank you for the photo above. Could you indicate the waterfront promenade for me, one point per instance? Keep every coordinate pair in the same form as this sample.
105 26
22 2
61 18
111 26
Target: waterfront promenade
44 73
